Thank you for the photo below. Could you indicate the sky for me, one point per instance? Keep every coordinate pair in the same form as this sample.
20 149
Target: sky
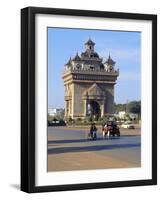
124 48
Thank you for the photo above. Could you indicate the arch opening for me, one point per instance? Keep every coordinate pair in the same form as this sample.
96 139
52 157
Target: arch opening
93 109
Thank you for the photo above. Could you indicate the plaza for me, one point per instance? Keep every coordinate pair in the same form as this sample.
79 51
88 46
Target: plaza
69 149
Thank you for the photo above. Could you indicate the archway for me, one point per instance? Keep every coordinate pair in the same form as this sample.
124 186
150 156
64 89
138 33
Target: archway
94 109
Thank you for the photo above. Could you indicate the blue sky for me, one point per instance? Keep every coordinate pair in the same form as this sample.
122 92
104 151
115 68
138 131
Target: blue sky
124 48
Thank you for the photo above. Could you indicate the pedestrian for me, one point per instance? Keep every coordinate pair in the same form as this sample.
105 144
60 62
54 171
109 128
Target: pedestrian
93 131
104 130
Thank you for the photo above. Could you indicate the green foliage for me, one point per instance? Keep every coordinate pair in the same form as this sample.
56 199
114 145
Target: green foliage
130 107
69 120
119 107
100 119
79 119
134 107
127 117
88 119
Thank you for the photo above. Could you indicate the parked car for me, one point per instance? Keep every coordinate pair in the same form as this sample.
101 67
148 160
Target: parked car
128 125
110 128
56 122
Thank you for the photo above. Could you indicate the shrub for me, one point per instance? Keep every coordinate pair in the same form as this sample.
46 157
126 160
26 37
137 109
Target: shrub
89 119
79 119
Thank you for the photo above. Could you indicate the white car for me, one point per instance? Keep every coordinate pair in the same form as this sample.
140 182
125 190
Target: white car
128 125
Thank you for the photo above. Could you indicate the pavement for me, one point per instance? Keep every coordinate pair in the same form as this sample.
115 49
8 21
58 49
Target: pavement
69 149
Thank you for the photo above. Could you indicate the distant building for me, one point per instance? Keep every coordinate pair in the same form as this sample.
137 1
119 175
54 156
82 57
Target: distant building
122 114
55 111
134 116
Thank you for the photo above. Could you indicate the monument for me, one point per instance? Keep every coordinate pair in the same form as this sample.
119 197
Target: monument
89 84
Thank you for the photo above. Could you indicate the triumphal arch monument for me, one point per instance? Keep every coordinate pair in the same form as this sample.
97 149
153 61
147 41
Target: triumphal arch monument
89 84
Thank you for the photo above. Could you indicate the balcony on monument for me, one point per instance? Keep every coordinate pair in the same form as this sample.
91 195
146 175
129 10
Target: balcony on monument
91 71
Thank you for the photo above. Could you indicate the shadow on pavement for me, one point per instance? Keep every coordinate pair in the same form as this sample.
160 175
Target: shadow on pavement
64 141
90 148
78 140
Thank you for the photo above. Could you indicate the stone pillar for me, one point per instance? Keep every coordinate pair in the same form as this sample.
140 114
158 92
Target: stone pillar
70 108
85 107
103 108
65 114
67 109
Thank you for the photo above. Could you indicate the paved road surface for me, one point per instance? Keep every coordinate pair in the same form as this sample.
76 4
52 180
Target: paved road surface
70 150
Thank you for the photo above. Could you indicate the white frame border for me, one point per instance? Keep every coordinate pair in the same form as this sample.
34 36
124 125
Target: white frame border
44 178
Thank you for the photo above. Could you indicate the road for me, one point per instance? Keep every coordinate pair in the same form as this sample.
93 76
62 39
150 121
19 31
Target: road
69 149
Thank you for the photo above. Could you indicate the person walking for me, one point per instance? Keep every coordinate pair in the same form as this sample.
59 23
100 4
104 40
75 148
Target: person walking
93 131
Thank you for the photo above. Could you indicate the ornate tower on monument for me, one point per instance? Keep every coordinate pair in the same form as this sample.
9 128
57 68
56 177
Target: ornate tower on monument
89 84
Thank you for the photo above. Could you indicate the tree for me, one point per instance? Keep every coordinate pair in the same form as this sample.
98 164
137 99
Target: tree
119 107
134 107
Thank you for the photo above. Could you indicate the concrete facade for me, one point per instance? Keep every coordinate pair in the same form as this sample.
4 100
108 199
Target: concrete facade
89 84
